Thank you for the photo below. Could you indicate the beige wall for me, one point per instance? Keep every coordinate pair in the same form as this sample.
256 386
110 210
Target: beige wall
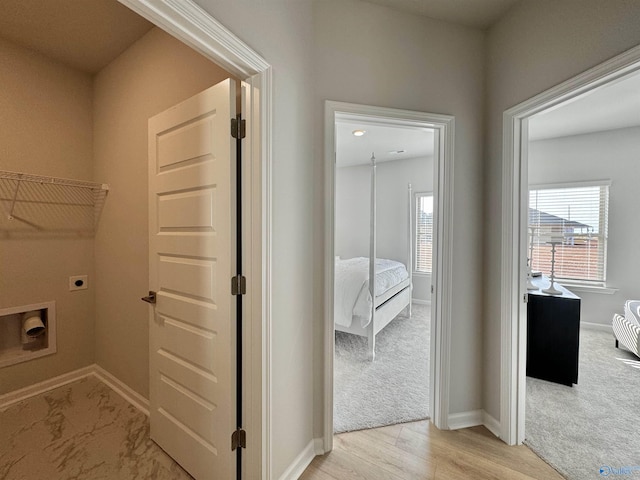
52 123
536 46
45 129
154 74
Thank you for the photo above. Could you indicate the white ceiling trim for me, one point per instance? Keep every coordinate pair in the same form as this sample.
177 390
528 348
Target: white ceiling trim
196 28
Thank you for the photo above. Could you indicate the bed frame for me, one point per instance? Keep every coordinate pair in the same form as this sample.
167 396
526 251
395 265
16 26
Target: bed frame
383 313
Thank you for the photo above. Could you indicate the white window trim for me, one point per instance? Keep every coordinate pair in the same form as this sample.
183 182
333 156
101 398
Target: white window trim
582 183
579 287
592 286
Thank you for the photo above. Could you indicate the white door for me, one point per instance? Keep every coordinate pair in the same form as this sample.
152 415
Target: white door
192 258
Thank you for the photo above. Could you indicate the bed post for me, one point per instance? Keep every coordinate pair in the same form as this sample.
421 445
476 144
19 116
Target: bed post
371 332
410 248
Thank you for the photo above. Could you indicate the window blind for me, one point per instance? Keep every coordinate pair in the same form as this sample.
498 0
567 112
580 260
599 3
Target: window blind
424 232
576 217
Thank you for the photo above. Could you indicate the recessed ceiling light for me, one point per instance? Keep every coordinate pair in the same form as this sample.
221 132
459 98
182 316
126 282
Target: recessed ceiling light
358 133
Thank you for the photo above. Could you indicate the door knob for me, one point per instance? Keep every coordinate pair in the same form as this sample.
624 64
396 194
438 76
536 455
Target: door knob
151 298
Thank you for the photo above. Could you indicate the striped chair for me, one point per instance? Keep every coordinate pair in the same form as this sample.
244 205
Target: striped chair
627 328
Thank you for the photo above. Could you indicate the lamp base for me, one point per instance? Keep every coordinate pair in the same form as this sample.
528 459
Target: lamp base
551 290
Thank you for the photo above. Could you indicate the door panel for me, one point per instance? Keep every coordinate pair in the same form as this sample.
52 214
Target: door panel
192 245
189 343
186 142
187 210
190 277
175 396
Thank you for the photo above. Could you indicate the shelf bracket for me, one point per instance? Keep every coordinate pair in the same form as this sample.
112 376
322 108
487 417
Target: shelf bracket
13 200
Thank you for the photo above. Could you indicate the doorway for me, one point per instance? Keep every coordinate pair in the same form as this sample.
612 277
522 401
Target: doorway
244 63
442 128
383 210
514 235
187 22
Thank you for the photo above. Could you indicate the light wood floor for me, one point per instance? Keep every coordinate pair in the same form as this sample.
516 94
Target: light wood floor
418 450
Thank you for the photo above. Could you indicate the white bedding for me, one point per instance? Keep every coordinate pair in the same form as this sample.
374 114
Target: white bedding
352 297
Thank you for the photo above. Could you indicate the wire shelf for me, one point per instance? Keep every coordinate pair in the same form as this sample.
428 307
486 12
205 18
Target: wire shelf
41 205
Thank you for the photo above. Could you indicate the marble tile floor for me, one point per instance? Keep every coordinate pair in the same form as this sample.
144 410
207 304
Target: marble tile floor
83 430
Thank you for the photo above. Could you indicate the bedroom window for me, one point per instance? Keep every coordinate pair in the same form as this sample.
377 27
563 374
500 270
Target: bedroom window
424 232
576 215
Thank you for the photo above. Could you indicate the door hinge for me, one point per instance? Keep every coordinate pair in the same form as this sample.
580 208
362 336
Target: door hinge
432 289
238 439
238 127
525 298
238 285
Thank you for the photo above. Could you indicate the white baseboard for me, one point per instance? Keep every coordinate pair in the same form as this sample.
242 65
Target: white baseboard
302 461
16 396
418 301
472 418
491 424
126 392
318 446
597 326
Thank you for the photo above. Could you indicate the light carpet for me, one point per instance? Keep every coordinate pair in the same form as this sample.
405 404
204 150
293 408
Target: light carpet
590 430
392 389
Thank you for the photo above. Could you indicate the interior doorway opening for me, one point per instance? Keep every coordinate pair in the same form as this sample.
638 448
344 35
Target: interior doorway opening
382 310
346 121
516 236
215 42
192 26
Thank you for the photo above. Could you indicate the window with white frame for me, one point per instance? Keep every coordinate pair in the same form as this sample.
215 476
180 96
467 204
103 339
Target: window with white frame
575 216
424 232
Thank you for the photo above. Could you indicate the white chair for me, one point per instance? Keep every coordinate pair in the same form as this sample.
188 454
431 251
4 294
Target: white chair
627 328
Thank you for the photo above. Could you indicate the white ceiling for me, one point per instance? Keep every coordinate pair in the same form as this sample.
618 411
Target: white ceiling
472 13
380 140
610 107
83 34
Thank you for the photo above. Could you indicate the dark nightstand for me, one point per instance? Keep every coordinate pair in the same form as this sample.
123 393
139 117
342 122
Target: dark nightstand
553 334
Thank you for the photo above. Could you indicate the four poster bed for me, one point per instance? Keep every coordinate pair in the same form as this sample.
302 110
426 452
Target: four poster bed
368 294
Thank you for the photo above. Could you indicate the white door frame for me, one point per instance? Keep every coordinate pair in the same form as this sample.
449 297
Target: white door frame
444 126
514 231
193 26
